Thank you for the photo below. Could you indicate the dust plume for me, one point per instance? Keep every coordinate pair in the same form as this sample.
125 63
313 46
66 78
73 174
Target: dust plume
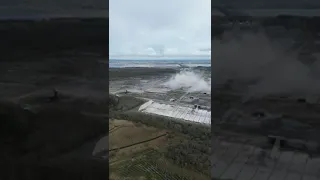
190 80
253 57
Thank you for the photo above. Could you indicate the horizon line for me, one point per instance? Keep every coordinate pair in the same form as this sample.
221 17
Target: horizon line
161 56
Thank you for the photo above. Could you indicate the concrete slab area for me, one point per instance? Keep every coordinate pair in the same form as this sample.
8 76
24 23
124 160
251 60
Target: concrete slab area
238 161
177 111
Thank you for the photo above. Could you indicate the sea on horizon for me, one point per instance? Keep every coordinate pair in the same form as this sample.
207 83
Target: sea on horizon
169 63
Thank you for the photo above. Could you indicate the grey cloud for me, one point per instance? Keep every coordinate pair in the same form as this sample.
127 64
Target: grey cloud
178 24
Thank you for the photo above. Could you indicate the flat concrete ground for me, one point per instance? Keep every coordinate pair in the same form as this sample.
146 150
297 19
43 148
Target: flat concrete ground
240 161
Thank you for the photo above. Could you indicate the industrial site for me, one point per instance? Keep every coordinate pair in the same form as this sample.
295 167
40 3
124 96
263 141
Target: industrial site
169 107
184 95
265 97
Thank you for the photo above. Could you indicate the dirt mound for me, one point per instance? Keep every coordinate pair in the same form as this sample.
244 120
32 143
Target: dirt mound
86 101
124 103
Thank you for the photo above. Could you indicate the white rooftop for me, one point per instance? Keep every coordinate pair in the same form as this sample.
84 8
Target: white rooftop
177 111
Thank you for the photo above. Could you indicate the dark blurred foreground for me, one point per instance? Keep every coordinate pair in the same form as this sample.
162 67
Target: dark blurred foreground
51 140
21 39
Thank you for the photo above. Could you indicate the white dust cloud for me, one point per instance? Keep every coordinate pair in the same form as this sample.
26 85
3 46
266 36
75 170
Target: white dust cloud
189 80
253 57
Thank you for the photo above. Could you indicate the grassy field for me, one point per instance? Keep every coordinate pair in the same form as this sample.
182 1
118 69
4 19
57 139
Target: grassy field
144 160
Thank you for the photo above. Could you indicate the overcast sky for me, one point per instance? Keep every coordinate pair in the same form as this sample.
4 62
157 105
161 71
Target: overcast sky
179 27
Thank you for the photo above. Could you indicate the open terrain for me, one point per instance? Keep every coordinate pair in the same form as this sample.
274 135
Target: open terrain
172 92
148 145
141 152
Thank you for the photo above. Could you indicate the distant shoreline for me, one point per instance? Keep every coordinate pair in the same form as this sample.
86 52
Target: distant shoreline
159 63
167 58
